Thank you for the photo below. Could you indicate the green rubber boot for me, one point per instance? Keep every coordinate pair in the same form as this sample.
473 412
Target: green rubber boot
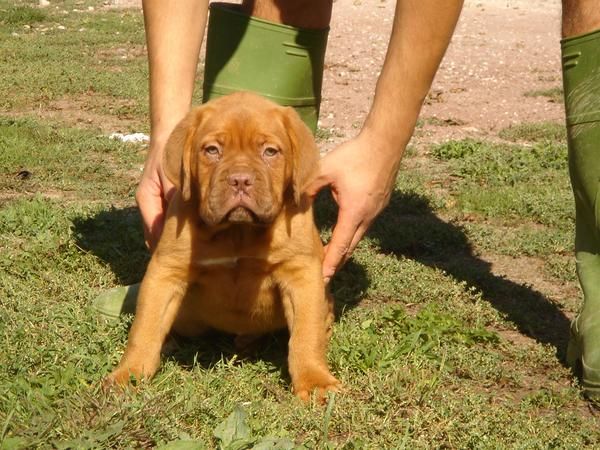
581 78
279 62
115 302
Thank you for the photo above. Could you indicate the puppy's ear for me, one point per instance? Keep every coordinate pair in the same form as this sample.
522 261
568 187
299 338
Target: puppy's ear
304 150
177 157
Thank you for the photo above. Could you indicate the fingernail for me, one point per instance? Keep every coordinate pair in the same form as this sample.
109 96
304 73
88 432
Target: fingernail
326 280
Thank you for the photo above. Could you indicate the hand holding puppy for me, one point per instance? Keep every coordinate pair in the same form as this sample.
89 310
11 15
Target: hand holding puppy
361 177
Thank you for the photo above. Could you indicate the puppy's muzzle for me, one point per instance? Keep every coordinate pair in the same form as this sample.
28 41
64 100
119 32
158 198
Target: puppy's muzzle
242 204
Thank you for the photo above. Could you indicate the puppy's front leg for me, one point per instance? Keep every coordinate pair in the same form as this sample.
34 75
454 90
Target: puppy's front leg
308 313
159 300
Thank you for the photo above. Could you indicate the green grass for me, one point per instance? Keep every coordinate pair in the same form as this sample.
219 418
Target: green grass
510 182
535 132
21 15
554 95
91 61
325 134
64 161
434 347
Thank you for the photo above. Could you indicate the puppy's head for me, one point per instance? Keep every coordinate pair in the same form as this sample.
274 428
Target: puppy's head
239 158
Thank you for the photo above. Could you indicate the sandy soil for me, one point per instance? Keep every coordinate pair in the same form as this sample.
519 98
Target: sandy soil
500 50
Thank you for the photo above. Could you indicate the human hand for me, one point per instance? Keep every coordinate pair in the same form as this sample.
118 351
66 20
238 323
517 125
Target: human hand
361 174
153 194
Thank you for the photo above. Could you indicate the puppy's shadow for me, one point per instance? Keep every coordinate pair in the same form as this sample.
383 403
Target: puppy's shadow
209 350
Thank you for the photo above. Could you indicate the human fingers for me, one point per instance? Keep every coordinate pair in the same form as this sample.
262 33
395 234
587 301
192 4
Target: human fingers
320 181
339 247
152 207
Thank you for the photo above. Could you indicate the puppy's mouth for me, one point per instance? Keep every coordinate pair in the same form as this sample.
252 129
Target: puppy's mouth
228 207
241 214
242 208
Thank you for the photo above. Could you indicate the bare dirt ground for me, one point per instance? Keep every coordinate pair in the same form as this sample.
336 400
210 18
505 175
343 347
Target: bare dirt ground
501 49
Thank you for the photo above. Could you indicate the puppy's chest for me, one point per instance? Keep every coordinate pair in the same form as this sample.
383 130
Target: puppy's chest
236 289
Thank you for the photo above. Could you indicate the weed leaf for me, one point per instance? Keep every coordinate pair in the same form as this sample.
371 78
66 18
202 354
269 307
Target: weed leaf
183 444
13 443
233 432
273 443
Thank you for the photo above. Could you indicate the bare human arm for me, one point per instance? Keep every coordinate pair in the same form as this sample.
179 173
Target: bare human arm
174 32
362 171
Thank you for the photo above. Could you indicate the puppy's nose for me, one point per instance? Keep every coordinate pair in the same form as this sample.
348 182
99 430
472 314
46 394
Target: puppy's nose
240 180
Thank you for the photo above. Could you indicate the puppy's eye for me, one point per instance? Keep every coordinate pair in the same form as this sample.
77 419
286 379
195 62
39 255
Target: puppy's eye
270 152
211 150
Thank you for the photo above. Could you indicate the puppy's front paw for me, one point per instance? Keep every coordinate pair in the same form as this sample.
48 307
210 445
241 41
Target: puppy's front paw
315 379
121 377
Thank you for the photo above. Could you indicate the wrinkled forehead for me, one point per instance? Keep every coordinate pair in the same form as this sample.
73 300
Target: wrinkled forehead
243 124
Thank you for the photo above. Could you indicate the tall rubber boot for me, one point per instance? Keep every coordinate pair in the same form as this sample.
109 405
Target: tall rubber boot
279 62
116 302
581 79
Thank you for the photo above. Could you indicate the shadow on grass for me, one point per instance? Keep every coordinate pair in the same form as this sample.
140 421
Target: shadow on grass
115 236
408 227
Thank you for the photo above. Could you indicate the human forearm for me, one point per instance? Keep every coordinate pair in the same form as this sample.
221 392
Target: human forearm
361 172
174 32
420 35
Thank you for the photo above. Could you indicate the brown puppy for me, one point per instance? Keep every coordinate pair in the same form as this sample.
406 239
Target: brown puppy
239 251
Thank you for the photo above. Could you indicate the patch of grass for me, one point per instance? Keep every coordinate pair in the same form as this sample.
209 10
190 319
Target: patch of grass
517 240
21 15
455 149
554 95
562 268
511 181
546 205
63 162
501 165
535 132
379 346
46 64
325 134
